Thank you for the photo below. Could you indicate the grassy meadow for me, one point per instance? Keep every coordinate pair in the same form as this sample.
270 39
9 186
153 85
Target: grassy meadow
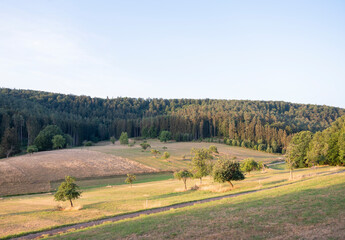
35 212
311 209
180 153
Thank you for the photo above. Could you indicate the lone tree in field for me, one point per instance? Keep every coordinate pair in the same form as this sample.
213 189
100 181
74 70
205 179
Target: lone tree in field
124 138
200 166
32 149
248 165
130 179
145 145
166 155
155 152
183 175
226 171
58 141
112 140
68 190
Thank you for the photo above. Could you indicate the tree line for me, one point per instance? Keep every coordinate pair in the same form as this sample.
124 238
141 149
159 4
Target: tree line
326 147
263 125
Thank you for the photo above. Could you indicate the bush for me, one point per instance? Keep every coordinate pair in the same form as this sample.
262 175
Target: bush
31 149
124 138
87 143
213 149
145 145
112 140
166 155
165 136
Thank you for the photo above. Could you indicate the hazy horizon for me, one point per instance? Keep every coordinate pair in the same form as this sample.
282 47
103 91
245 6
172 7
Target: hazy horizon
279 51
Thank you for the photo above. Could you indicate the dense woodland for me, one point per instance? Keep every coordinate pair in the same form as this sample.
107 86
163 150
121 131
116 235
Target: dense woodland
327 147
264 125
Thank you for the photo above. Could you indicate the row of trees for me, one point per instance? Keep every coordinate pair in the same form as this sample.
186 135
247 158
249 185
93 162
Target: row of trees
327 147
265 125
223 170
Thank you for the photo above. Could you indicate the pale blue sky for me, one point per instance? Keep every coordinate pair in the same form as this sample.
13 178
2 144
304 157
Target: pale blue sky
260 50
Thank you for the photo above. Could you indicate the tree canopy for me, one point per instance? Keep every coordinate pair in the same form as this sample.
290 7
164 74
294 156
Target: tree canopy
226 170
249 164
183 175
261 125
201 166
68 190
130 179
43 141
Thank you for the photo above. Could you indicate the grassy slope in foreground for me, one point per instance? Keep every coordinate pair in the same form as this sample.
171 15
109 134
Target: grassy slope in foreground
309 209
34 212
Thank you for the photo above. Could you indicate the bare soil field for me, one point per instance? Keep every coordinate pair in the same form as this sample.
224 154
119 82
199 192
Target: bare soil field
33 173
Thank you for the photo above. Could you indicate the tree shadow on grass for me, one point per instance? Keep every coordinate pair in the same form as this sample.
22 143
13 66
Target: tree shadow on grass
167 195
272 216
274 182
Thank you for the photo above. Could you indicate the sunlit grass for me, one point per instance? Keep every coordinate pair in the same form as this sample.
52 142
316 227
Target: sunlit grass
311 209
33 212
180 153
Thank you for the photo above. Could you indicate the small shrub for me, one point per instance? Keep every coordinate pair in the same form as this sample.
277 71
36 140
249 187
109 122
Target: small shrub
130 178
124 138
32 149
87 143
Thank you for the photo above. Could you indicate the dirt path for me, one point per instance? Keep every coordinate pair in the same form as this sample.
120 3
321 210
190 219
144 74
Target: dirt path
149 211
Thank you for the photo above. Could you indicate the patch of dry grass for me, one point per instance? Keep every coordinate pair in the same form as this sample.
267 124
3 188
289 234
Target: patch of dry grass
33 212
180 153
311 209
33 173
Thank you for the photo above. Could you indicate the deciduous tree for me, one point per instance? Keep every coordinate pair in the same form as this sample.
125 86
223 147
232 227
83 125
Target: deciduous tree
226 171
58 141
68 190
183 175
130 179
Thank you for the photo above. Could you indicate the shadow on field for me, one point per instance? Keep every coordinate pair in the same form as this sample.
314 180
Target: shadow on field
167 195
275 182
293 213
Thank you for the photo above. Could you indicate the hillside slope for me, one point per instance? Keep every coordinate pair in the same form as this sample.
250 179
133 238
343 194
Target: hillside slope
33 173
264 125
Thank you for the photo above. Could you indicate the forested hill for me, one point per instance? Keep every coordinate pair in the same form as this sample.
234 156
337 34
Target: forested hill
266 125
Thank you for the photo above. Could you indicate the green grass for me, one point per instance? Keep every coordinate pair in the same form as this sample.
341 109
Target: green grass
117 180
310 209
34 212
278 166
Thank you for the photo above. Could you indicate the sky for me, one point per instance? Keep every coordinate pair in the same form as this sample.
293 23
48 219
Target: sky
258 50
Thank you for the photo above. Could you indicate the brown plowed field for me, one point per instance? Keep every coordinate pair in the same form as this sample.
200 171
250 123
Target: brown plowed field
33 173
